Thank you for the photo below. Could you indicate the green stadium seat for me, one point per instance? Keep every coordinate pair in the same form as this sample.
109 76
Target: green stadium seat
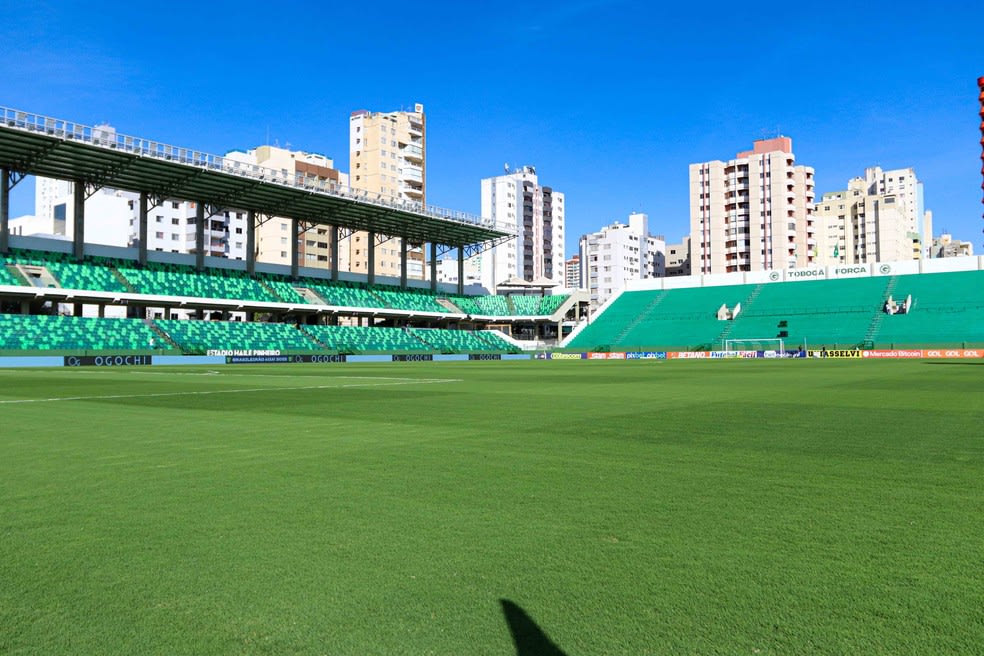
67 333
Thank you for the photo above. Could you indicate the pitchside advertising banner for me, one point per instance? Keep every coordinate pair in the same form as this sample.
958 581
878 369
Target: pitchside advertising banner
284 359
108 360
925 353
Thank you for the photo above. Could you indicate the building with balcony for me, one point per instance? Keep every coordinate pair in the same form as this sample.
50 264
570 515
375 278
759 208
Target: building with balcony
517 200
273 233
879 218
946 246
388 156
112 220
678 258
752 213
572 273
618 253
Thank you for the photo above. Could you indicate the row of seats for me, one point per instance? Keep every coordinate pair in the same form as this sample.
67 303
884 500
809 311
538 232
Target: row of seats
948 308
201 336
462 341
54 332
355 339
96 275
510 306
164 279
179 280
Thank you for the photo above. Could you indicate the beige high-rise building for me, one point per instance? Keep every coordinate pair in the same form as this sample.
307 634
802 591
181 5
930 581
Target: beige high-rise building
878 218
387 156
273 234
678 258
752 213
855 227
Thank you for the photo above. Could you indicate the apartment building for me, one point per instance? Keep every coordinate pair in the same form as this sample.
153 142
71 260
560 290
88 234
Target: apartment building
618 253
879 218
572 272
273 234
517 201
946 246
678 258
388 156
753 212
112 219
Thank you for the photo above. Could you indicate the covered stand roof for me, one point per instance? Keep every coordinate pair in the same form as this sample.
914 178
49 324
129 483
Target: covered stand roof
99 156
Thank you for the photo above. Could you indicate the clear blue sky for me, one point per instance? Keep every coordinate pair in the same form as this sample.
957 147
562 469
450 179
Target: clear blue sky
609 100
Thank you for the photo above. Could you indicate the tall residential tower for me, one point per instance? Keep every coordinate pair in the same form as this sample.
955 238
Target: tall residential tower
752 213
387 156
517 201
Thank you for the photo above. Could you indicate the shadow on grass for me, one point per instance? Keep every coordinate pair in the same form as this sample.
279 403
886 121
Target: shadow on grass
529 638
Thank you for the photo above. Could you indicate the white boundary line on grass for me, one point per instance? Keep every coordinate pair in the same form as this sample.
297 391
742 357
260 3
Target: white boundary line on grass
100 397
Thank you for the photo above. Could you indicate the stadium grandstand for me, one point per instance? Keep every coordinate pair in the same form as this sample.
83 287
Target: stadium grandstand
68 295
64 297
916 304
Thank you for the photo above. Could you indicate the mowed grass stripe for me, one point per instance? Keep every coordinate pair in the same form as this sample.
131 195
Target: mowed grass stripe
720 507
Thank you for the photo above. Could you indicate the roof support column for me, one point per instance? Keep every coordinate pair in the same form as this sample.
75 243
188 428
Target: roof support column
371 279
78 235
295 233
142 234
461 270
250 242
433 268
404 245
199 236
4 210
333 237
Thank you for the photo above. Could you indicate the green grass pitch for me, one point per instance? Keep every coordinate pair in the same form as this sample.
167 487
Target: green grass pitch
716 507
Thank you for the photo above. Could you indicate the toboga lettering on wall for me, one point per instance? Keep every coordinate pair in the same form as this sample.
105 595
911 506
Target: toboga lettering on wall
794 274
108 360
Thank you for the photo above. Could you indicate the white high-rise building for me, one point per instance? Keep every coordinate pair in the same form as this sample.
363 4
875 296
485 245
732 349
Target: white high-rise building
107 213
517 201
618 253
752 213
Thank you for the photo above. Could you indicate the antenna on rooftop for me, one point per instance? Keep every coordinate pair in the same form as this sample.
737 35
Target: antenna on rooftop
506 167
